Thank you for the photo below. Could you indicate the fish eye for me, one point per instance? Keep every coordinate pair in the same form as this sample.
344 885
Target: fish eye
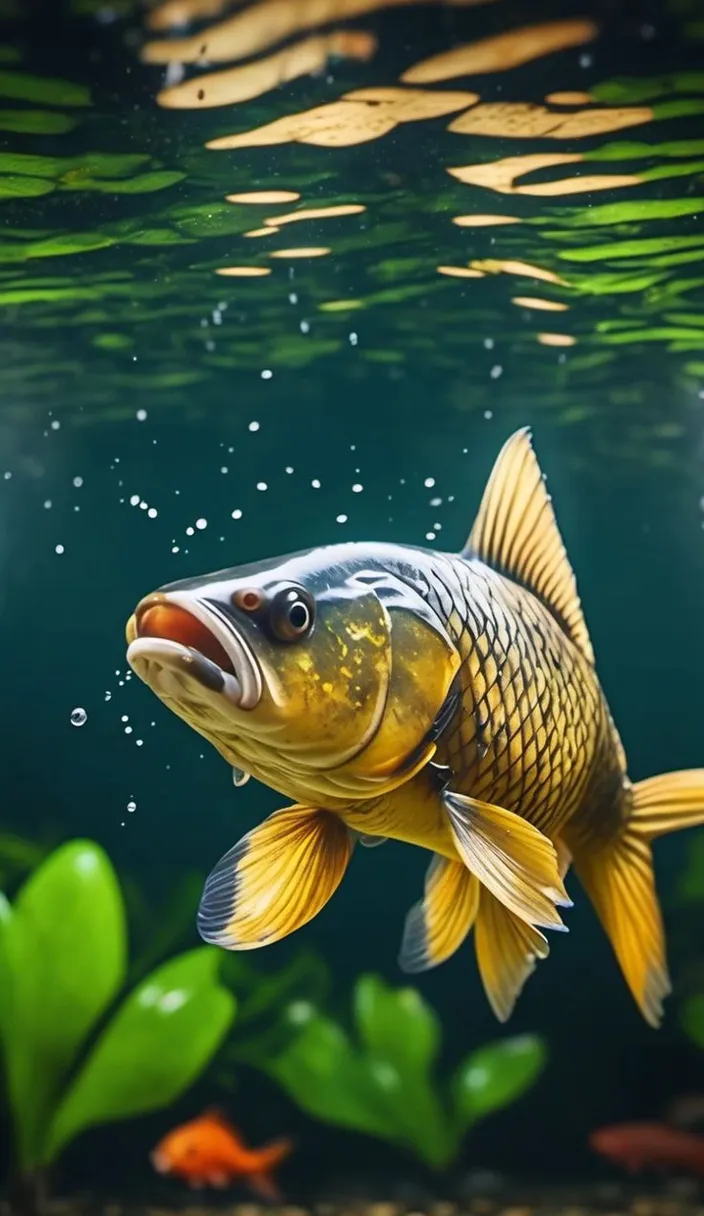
292 614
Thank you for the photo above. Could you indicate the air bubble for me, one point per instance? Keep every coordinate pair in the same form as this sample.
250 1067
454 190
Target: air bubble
131 806
79 717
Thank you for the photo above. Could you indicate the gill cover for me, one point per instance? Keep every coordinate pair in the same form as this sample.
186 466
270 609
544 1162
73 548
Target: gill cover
423 662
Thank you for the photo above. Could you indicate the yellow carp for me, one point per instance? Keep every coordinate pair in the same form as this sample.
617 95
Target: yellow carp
447 700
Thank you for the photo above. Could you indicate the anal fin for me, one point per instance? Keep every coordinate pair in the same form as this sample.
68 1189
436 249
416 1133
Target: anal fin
437 926
511 857
507 950
619 881
263 1185
276 879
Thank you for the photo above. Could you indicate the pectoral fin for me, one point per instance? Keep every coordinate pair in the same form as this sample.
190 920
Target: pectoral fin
511 857
437 926
276 879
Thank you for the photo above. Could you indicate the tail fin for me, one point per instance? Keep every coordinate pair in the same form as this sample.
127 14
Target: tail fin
619 880
273 1154
267 1158
507 949
669 802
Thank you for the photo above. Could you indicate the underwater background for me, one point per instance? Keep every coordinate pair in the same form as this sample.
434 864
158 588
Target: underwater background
513 237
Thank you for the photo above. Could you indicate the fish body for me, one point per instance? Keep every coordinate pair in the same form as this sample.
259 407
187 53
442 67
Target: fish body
208 1151
450 701
640 1146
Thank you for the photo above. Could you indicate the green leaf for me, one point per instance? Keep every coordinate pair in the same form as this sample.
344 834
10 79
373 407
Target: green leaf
20 86
630 249
396 1024
156 1045
16 853
495 1076
36 122
692 1018
145 183
327 1078
631 212
637 88
402 1034
14 186
65 952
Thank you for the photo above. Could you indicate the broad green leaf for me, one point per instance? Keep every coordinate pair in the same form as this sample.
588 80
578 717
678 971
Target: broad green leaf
327 1078
495 1076
396 1024
157 1044
401 1034
66 948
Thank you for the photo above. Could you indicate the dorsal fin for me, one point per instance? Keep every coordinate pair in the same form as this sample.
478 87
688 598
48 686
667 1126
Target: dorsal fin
516 533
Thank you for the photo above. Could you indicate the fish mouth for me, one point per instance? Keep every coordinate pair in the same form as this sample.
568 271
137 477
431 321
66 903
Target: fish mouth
160 1162
175 639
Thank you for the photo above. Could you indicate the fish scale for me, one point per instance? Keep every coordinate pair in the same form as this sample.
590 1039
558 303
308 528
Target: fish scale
526 685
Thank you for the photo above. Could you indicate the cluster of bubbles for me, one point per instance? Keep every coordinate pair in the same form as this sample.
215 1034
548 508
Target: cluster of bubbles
79 715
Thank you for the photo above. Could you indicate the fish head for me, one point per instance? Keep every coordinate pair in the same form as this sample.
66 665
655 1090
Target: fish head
324 670
181 1152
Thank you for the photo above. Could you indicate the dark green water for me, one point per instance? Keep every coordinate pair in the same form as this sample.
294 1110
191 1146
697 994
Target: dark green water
146 399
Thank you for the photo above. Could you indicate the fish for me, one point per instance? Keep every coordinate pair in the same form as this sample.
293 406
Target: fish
639 1146
449 700
208 1151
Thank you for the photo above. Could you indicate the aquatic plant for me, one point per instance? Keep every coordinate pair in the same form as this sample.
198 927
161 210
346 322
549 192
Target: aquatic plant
384 1083
18 855
77 1051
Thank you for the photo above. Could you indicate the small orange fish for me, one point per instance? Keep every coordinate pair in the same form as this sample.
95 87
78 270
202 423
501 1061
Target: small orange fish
638 1146
209 1152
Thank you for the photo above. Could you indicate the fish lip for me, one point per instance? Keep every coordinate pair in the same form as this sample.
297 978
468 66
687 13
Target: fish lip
243 689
